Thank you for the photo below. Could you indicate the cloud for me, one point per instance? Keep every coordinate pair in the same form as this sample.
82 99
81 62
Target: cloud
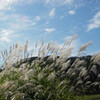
24 18
13 26
47 1
9 4
58 2
34 23
6 4
69 1
49 30
17 21
5 39
3 17
94 22
52 12
71 12
5 35
21 26
38 18
6 32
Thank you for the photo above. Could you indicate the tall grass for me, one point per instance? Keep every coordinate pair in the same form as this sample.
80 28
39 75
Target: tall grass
17 52
37 80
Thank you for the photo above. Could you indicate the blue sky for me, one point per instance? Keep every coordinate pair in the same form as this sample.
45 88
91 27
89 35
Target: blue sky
55 20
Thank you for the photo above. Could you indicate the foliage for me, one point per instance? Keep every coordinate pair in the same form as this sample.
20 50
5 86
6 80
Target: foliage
39 79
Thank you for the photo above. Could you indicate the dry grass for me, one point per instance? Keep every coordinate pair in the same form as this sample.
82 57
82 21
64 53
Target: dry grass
83 48
17 52
37 80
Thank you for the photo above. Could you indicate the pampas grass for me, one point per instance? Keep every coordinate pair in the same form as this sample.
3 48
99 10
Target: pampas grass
39 79
83 48
17 52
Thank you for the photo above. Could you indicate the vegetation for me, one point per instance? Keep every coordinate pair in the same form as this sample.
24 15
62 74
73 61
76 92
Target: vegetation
24 77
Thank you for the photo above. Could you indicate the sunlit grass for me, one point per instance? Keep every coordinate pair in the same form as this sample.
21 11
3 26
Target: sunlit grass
39 79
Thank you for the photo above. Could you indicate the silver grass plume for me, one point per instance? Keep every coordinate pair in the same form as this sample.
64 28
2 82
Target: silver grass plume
69 41
83 47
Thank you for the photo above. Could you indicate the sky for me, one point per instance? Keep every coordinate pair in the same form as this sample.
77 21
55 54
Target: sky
55 20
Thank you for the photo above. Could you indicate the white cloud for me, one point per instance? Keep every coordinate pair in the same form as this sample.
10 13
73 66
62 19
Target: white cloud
94 22
6 4
47 1
6 32
38 18
69 1
21 26
58 2
9 4
49 30
19 22
5 35
5 39
52 12
71 12
34 23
